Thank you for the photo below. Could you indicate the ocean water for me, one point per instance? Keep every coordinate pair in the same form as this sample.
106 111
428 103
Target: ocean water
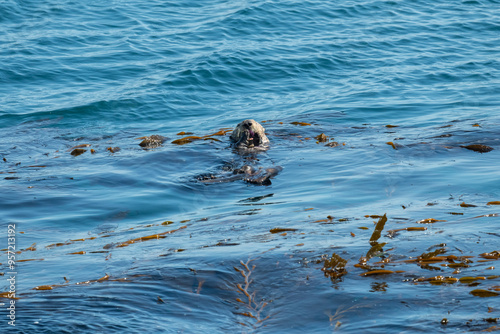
129 240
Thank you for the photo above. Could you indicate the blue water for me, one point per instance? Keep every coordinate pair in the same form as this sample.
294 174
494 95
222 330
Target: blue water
106 73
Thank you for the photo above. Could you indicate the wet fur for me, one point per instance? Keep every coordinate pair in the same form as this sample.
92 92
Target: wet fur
249 134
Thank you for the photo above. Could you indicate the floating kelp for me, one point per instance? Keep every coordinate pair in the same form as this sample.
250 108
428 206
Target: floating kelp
378 229
78 151
375 250
426 256
465 205
186 140
493 203
374 216
455 265
495 255
437 280
433 257
141 239
78 146
334 267
8 295
300 123
478 148
43 287
392 233
488 215
429 221
392 144
377 272
105 278
322 138
391 126
167 222
59 244
31 248
280 230
484 293
470 279
210 138
190 139
113 149
332 144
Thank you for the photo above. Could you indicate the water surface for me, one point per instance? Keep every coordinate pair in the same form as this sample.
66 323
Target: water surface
103 75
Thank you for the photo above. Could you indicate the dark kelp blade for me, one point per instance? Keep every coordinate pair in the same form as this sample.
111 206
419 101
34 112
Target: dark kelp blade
186 140
376 249
478 148
78 151
465 205
280 230
377 272
335 266
322 138
378 229
335 262
484 293
437 252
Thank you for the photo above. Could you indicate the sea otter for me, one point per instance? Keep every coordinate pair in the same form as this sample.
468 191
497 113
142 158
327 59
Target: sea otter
249 134
260 176
248 137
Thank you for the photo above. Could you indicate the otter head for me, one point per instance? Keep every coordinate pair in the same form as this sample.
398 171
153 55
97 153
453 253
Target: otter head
249 134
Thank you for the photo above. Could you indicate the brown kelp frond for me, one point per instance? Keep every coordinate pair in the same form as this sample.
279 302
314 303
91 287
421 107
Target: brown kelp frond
251 303
335 267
